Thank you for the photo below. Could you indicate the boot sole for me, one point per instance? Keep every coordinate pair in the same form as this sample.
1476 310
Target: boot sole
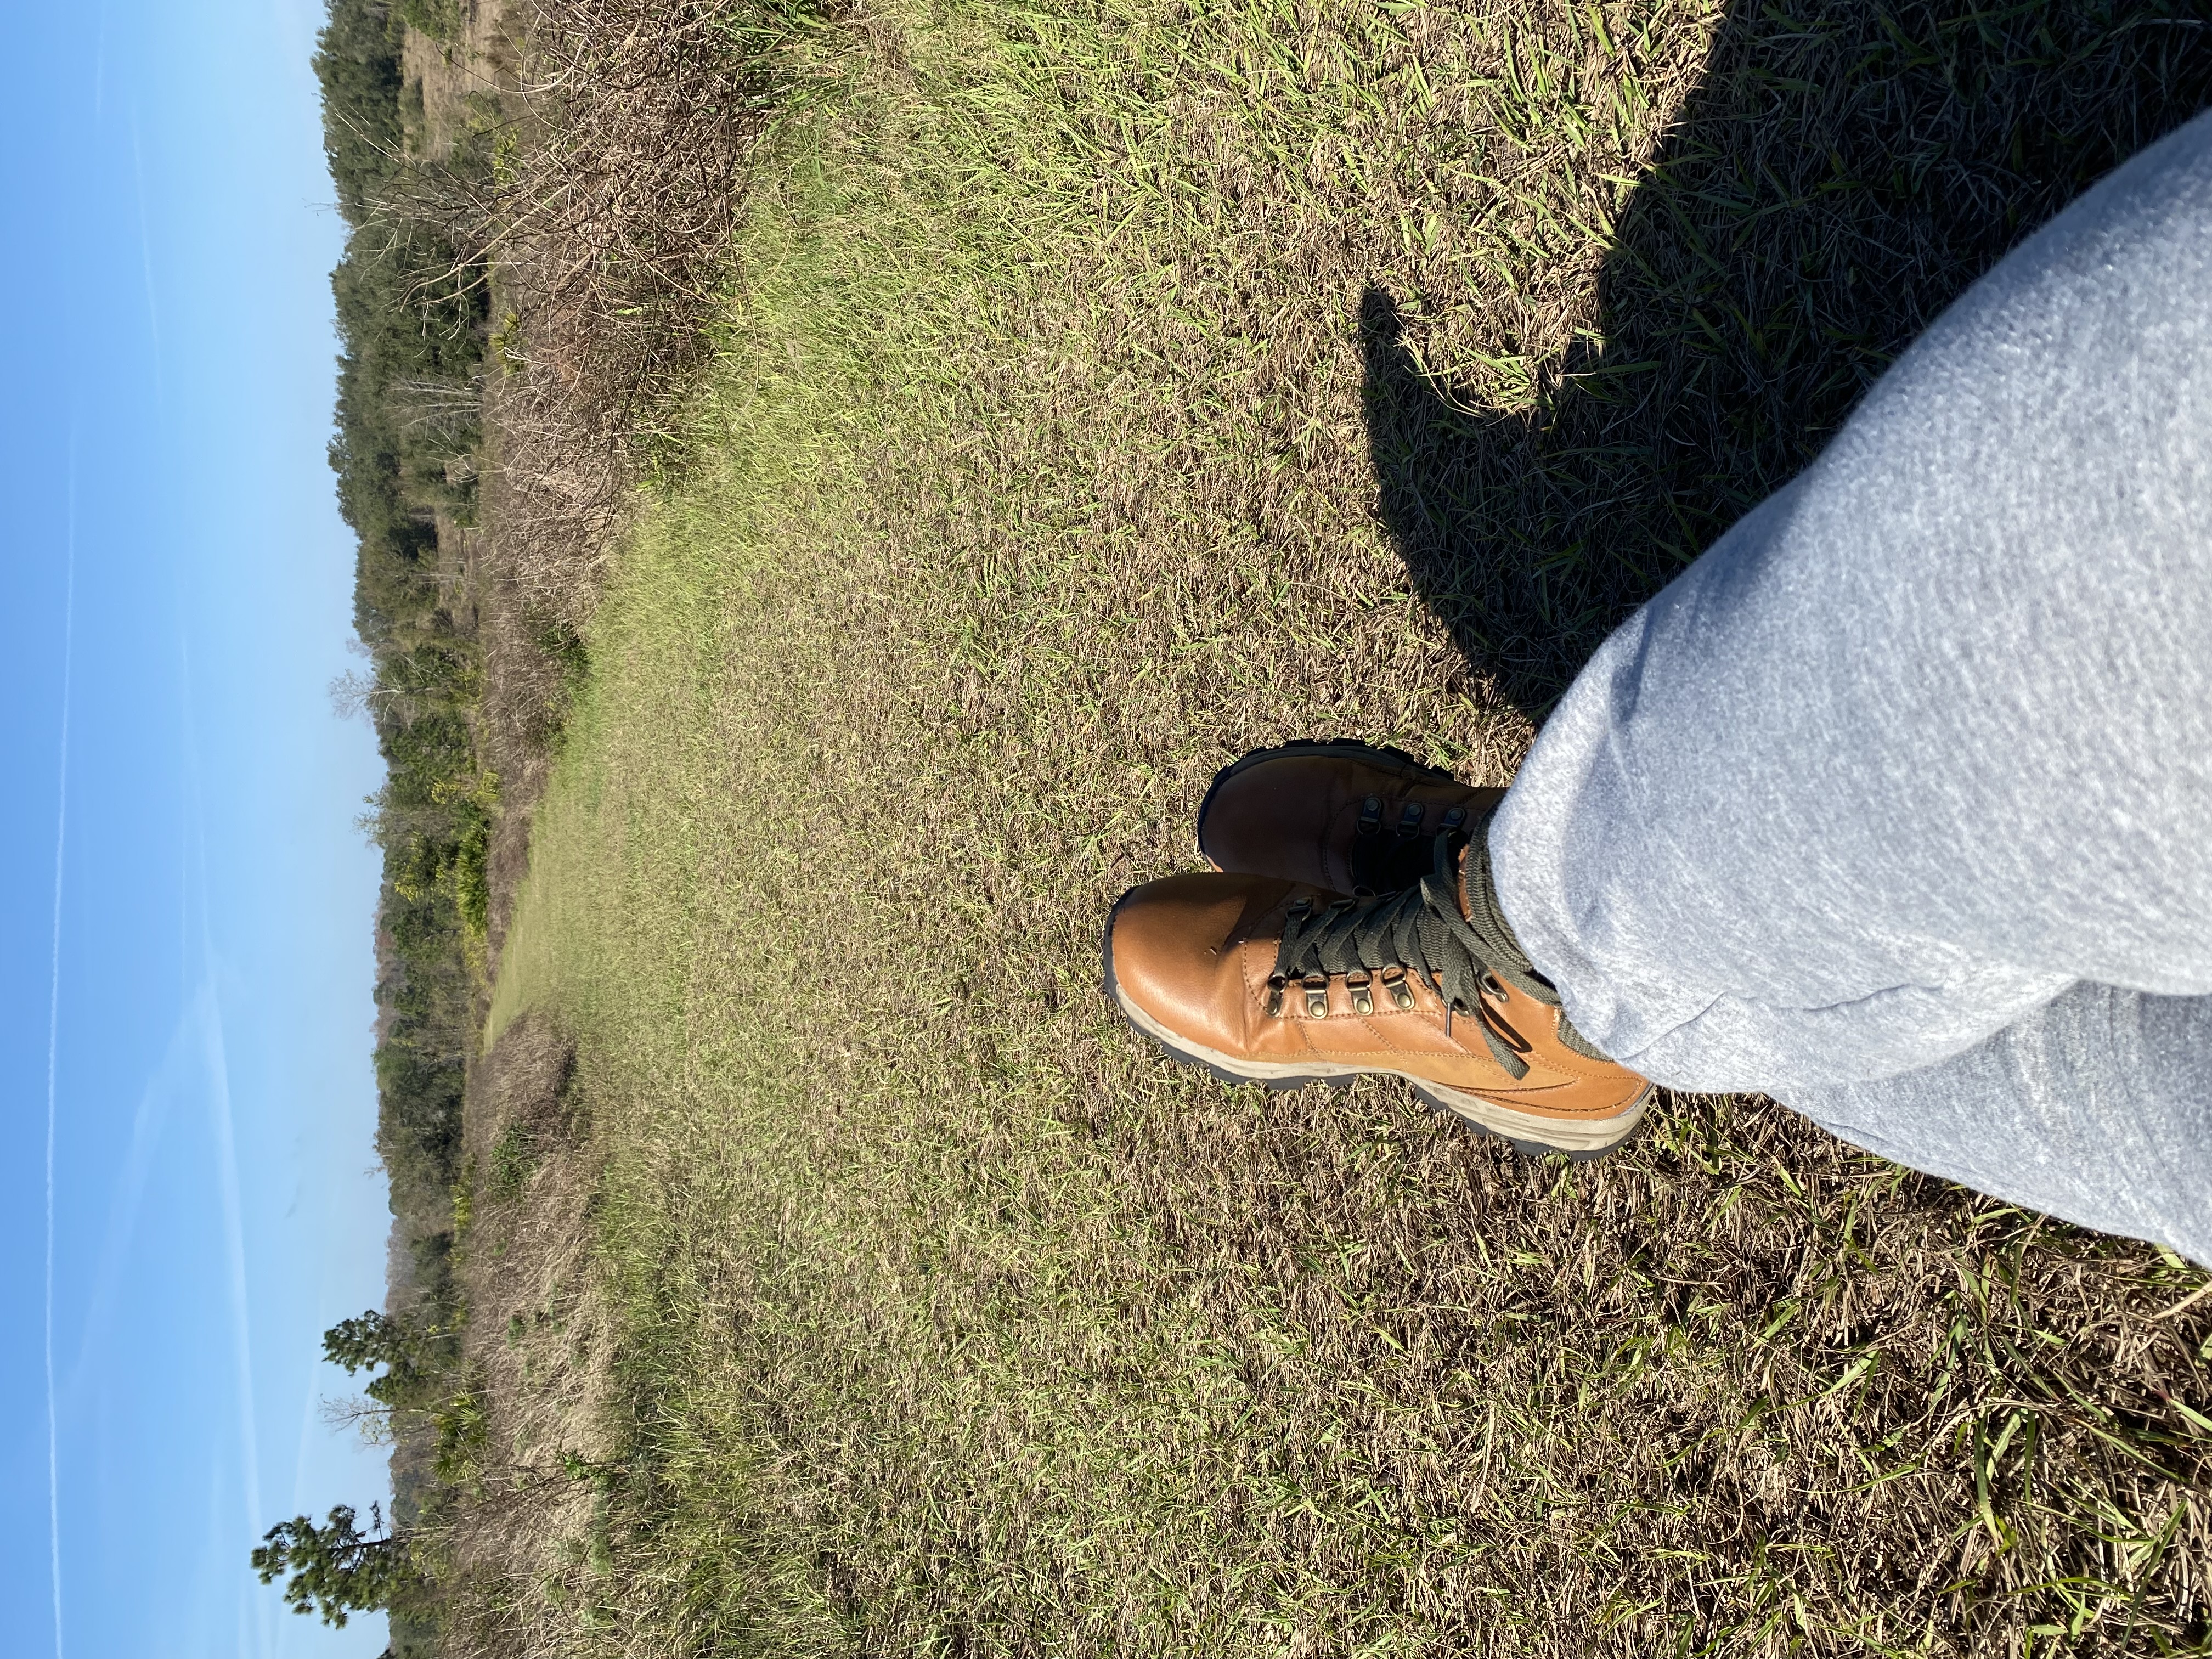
1527 1133
1396 760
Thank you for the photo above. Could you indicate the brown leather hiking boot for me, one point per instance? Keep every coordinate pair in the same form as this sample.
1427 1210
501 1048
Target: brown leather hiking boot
1347 817
1280 983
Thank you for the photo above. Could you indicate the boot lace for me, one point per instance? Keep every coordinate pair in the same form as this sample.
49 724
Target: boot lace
1374 944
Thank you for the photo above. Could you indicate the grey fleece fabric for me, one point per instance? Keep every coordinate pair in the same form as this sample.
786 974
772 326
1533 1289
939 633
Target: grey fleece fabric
1897 804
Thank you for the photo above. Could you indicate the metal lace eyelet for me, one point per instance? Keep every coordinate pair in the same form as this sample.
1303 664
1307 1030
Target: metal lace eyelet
1409 821
1371 815
1316 990
1492 987
1363 998
1275 996
1455 817
1393 982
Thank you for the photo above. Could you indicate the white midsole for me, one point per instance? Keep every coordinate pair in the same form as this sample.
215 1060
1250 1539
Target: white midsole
1566 1135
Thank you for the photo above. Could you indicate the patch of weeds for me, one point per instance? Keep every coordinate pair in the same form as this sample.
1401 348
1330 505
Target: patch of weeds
440 20
472 802
514 1155
464 1200
560 643
460 1430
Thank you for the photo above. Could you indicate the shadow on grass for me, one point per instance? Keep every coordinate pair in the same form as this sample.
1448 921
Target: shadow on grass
1842 173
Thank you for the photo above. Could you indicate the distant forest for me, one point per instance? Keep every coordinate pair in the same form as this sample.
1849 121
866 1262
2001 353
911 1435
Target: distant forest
411 323
412 326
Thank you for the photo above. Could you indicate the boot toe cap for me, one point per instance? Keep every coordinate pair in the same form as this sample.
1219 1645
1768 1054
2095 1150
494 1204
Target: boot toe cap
1173 954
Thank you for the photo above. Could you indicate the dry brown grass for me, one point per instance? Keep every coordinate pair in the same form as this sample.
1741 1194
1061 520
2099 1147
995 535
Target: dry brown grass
537 1341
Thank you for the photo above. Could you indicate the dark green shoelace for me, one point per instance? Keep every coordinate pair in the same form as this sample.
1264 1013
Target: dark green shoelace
1374 944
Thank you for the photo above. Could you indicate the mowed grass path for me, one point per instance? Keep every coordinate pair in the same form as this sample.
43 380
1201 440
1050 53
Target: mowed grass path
1107 392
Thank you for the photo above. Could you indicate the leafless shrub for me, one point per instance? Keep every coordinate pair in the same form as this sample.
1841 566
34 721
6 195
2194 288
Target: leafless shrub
369 1421
437 406
525 1081
609 220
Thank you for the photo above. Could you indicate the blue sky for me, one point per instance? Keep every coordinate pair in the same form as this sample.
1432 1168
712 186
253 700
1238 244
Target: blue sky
196 1028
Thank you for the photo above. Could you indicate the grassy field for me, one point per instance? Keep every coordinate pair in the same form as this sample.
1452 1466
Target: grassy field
1107 390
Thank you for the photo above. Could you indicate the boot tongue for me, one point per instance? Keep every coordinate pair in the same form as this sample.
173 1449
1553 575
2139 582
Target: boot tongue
1381 865
1486 918
1465 861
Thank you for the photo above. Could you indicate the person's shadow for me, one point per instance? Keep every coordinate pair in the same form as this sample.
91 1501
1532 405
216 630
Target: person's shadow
1843 172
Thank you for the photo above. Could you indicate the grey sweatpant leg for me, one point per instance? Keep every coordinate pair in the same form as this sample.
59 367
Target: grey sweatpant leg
1897 804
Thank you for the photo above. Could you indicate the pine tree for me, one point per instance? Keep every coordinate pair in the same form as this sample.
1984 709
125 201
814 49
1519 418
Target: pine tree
372 1338
336 1568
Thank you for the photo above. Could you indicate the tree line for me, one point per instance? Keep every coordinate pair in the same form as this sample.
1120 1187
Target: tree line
412 326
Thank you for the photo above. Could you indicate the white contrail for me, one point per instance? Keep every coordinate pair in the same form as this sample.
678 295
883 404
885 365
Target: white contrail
147 1126
207 1019
234 1239
53 1049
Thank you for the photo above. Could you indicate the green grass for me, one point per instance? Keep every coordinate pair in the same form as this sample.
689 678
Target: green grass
1106 392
